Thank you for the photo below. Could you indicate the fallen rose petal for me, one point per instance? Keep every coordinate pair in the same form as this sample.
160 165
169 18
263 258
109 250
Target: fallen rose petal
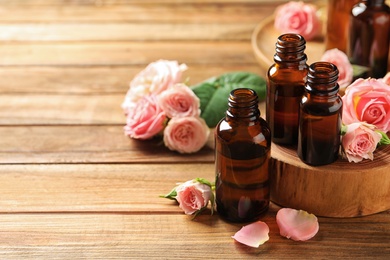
253 235
297 224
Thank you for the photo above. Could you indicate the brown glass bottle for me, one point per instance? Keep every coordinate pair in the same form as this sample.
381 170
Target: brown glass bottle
337 25
285 86
242 154
320 116
369 37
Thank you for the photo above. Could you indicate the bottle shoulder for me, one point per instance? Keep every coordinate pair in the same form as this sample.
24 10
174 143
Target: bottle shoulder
286 73
358 9
234 130
321 105
362 11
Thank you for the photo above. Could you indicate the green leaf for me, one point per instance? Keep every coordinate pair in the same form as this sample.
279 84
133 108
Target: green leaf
171 195
204 91
385 139
212 201
359 70
204 181
344 129
214 93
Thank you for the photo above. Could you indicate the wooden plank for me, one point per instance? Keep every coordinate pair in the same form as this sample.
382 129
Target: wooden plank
142 12
87 144
114 236
95 187
125 32
94 80
61 109
125 53
128 2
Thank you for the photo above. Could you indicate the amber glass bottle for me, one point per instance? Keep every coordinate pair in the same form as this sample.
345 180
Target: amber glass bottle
285 86
337 25
320 116
242 153
369 37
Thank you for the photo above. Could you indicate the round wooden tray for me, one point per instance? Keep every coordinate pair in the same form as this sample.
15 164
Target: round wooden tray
263 44
341 189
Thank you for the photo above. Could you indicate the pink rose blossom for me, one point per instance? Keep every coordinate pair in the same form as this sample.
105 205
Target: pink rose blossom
179 101
154 79
360 142
340 59
297 224
253 235
193 196
299 18
145 119
367 100
386 79
186 134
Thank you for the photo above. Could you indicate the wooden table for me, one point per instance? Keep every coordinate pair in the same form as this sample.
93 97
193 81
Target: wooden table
73 186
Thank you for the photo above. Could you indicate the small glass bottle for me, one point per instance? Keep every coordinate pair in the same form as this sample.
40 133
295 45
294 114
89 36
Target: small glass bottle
285 86
242 154
369 37
337 24
320 116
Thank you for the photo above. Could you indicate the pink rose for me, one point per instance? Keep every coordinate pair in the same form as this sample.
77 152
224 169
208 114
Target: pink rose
367 100
193 196
145 119
154 79
179 101
386 79
186 134
299 18
360 141
340 59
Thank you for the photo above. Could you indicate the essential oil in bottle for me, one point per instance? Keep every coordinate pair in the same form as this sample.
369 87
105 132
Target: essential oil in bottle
242 154
337 24
369 37
320 116
285 86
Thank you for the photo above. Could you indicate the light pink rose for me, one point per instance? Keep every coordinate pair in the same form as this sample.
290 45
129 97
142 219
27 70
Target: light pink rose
298 225
367 100
193 196
179 101
154 79
145 119
386 79
360 141
186 134
299 18
340 59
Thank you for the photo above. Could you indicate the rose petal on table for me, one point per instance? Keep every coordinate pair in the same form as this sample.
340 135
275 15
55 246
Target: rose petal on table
297 224
253 235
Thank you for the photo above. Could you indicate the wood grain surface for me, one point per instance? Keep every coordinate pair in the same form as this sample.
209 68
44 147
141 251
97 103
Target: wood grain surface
72 186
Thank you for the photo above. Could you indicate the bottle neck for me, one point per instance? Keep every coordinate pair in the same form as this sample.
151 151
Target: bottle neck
322 79
243 104
290 48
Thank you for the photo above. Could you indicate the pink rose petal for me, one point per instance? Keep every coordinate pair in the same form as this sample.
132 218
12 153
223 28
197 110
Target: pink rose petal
253 235
296 224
